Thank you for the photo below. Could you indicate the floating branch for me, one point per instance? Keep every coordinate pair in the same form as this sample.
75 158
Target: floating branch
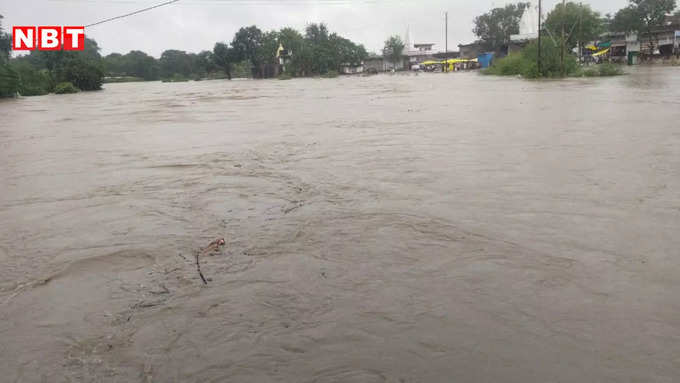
211 248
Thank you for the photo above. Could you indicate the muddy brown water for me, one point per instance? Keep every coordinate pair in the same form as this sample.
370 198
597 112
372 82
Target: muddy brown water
432 228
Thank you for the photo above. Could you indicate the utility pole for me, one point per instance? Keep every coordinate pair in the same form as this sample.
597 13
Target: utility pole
562 45
446 31
539 37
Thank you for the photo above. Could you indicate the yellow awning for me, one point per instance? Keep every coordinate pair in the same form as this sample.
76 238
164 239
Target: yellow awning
600 53
455 61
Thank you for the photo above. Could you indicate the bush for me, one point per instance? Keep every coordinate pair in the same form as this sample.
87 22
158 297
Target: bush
602 70
524 63
591 72
285 76
330 74
9 81
511 65
65 87
610 70
83 74
34 82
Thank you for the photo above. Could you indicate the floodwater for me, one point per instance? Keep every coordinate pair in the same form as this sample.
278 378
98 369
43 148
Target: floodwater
395 228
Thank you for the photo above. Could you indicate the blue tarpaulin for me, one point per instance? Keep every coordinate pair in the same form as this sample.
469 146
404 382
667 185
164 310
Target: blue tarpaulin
485 59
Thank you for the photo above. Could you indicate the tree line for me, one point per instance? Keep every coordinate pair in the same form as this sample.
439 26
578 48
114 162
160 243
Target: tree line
42 72
251 53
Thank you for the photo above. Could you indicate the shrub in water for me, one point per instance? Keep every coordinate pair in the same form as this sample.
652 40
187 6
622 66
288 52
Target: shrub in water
610 70
34 82
591 72
330 74
9 81
65 87
602 70
524 63
85 75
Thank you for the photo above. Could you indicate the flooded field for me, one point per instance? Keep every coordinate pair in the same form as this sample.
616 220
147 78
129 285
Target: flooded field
432 228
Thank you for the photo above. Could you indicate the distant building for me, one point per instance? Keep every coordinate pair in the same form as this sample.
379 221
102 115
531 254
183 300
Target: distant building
417 53
352 68
423 47
469 51
381 64
413 55
662 42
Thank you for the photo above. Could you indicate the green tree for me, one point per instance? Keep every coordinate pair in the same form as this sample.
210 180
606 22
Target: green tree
134 63
33 82
319 49
393 49
84 74
5 43
291 39
139 64
204 63
85 69
246 43
114 64
9 79
224 57
642 16
266 54
294 43
175 63
495 27
625 20
580 23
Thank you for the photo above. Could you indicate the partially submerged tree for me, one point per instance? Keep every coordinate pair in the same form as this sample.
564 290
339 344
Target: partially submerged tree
495 27
134 63
224 57
266 54
294 43
84 69
394 49
246 43
5 42
9 79
580 22
175 63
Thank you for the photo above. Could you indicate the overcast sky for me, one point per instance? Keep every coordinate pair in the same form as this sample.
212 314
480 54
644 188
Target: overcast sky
195 25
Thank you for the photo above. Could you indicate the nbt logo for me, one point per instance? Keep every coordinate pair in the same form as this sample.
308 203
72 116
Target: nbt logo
48 38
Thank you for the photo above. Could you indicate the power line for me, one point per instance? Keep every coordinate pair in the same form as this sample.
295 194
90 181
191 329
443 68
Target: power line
131 13
246 2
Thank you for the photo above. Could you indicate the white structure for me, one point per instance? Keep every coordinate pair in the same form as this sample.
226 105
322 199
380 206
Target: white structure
409 42
528 25
352 69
